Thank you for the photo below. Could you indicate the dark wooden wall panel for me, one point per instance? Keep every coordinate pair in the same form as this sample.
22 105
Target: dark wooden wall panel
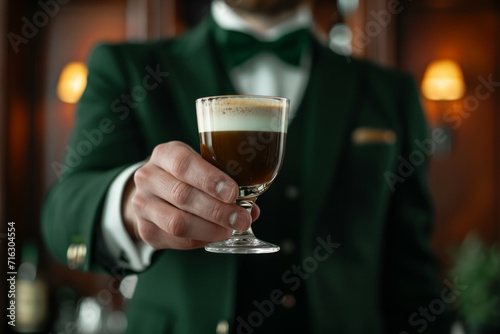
464 182
69 37
3 145
18 171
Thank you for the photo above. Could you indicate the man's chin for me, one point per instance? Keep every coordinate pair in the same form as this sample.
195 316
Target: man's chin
264 7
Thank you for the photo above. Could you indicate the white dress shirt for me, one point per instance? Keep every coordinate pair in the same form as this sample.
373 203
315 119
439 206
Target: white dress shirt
264 74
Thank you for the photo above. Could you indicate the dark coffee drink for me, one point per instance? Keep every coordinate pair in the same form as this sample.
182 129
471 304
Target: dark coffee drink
249 157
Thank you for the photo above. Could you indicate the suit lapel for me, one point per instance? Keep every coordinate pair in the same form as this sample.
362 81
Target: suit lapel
194 56
328 110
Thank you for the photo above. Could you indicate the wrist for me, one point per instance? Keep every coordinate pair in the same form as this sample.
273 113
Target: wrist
127 210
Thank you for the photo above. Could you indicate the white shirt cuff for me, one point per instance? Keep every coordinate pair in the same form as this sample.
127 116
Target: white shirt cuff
130 255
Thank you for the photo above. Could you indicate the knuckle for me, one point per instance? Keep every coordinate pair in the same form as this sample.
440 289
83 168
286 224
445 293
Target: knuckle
158 151
138 202
190 243
176 225
181 192
145 229
207 181
174 144
141 175
218 212
180 163
162 149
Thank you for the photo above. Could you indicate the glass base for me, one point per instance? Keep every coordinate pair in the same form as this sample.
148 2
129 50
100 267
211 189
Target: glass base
242 244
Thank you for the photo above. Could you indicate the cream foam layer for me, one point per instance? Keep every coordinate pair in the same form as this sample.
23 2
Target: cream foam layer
242 114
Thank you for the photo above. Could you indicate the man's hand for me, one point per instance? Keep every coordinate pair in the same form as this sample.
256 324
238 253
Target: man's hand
178 200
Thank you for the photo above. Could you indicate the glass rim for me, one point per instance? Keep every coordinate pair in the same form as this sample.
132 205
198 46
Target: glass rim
256 97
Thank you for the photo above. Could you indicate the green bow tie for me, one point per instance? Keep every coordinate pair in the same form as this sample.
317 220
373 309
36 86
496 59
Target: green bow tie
240 47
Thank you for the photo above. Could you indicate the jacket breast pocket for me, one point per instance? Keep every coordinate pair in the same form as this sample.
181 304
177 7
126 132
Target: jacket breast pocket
371 153
360 195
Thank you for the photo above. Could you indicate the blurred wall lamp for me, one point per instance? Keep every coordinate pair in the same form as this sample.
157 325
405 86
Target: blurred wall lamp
72 82
443 82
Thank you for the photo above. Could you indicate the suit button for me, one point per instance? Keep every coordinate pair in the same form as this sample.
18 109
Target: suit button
75 255
288 301
292 192
287 246
222 327
70 256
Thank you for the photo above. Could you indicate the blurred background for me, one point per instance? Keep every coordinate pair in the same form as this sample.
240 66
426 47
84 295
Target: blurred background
451 47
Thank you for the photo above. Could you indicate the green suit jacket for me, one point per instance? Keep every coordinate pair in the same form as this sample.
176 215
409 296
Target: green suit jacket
361 122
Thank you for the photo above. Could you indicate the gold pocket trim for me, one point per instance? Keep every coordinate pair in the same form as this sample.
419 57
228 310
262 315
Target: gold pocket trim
368 135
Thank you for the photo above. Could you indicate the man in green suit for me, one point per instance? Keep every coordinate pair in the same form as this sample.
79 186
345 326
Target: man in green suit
349 209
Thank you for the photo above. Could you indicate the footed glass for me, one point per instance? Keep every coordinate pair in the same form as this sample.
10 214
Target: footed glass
244 136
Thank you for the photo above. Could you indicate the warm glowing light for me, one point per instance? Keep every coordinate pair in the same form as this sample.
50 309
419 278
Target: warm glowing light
72 82
443 80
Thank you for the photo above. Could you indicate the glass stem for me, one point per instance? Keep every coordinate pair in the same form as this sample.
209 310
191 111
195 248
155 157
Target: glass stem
248 205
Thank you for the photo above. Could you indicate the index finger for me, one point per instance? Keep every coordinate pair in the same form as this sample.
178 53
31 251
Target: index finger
185 164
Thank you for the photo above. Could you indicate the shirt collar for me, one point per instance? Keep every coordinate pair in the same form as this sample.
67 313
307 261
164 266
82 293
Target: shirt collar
226 18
